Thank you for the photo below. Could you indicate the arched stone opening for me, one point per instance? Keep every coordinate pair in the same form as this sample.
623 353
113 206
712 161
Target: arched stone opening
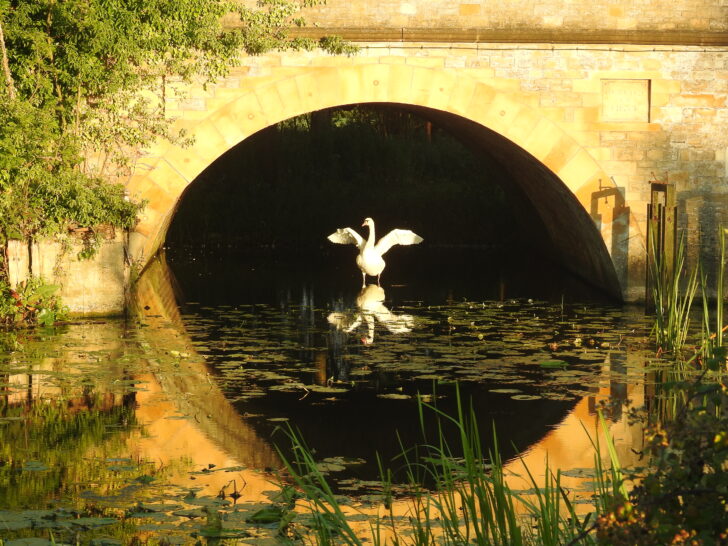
551 177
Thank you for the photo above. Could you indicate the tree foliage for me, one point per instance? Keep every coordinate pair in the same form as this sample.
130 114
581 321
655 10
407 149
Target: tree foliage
83 90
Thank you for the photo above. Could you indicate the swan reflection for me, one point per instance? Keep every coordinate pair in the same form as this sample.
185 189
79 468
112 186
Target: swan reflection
371 309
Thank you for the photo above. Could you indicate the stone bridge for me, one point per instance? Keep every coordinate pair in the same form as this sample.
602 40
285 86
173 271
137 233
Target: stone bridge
575 106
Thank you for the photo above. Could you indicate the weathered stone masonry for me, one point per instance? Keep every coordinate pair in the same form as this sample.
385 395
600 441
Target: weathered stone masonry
580 103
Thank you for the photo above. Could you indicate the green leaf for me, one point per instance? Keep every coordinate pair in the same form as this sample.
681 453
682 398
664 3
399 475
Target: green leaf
271 514
553 364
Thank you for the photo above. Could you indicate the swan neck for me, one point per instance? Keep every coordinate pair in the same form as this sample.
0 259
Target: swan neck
371 239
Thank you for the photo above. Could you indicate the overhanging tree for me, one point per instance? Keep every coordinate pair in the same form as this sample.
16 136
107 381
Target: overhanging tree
84 85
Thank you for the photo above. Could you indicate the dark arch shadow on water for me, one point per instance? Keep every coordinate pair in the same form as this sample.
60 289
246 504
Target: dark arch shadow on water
364 426
359 424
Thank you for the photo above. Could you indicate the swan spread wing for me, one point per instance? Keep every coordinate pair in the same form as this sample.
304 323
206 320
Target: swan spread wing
346 236
397 237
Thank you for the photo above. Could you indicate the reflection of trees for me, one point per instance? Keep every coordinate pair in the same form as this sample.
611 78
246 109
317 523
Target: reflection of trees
64 402
43 448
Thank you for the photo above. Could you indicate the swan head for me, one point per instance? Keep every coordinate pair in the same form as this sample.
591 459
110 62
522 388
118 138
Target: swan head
368 222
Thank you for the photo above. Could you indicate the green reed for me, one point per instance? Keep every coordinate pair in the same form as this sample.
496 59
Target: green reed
470 501
673 294
713 335
672 302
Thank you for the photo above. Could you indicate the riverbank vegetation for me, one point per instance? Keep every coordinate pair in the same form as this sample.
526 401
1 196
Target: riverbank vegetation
678 497
83 87
31 302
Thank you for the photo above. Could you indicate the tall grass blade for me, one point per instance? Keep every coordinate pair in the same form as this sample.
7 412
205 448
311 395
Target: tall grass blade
672 302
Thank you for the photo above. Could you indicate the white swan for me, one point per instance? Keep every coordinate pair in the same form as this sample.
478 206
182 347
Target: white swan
370 259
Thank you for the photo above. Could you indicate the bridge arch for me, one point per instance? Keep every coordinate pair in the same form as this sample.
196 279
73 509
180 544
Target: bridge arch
555 177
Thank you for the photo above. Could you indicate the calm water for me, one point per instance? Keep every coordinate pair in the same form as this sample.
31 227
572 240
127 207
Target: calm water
143 427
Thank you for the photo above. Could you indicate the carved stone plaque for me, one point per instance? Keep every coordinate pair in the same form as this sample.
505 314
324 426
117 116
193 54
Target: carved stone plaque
626 100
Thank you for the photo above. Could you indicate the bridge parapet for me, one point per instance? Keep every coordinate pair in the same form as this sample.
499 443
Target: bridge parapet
594 15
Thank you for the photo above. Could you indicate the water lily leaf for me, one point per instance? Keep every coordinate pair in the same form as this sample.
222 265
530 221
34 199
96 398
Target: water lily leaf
190 513
206 501
271 514
325 389
526 397
90 523
578 473
330 467
214 532
505 391
11 521
34 466
394 396
29 542
343 460
553 364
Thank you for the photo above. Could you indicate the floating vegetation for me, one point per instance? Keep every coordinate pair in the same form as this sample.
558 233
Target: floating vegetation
89 413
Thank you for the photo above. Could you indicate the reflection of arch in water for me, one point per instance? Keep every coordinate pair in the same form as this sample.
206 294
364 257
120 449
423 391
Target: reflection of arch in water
183 387
569 445
366 426
218 433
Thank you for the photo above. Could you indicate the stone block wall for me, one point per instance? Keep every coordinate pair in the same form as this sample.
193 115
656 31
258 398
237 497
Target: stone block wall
641 112
652 15
89 287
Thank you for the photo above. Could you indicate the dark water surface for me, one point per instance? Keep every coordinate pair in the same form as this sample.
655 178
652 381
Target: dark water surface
146 425
296 338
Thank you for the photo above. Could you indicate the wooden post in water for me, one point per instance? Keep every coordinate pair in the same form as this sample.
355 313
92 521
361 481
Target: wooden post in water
661 235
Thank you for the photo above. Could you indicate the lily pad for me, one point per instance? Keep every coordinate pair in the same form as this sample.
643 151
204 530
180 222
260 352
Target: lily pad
91 523
526 397
34 466
11 521
394 396
190 513
325 389
553 364
271 514
578 473
505 391
330 467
